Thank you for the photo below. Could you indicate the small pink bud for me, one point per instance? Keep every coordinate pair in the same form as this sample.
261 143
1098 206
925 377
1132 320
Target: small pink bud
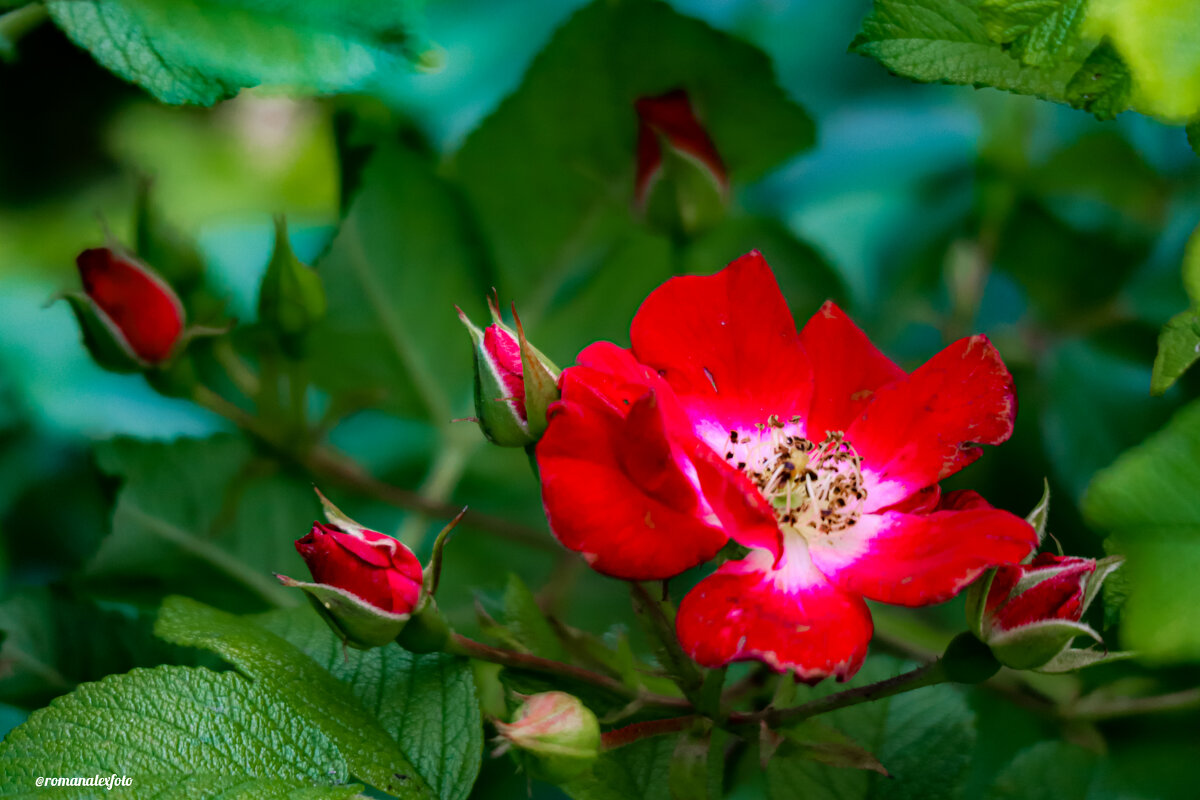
559 735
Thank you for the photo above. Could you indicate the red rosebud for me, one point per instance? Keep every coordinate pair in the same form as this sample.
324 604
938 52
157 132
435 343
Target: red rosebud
672 143
1057 592
374 567
514 381
1028 614
138 306
504 354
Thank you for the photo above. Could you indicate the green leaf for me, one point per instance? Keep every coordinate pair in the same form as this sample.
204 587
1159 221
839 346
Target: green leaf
639 771
527 624
1047 771
1094 407
52 642
1157 39
1037 30
427 703
1178 349
177 732
314 694
551 172
922 738
1060 771
698 766
947 41
202 51
1193 136
816 741
202 516
1103 83
1148 501
401 261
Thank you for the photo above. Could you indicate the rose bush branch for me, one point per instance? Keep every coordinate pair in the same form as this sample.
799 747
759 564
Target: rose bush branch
322 461
461 645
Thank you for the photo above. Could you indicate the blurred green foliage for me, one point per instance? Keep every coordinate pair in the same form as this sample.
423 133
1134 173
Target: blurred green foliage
929 212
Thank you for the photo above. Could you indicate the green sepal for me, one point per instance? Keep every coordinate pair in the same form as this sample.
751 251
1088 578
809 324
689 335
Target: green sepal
433 572
355 621
336 517
101 336
969 660
1073 659
541 383
1104 567
1038 517
686 198
291 297
1035 645
977 601
174 256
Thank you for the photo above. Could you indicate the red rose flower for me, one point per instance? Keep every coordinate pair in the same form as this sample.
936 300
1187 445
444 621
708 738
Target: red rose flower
374 567
136 304
810 448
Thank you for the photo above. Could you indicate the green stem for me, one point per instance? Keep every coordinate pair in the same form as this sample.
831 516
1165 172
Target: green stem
239 372
659 617
461 645
927 675
1132 706
444 474
328 464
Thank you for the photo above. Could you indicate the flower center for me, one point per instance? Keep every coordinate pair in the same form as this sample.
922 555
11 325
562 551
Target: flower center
813 486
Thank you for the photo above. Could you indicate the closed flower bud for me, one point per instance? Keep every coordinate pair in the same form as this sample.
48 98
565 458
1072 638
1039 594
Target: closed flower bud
366 585
1028 614
514 382
557 734
291 298
681 182
130 318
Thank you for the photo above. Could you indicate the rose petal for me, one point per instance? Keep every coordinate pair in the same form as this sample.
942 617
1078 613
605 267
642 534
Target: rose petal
918 559
727 345
918 430
788 617
847 370
616 489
